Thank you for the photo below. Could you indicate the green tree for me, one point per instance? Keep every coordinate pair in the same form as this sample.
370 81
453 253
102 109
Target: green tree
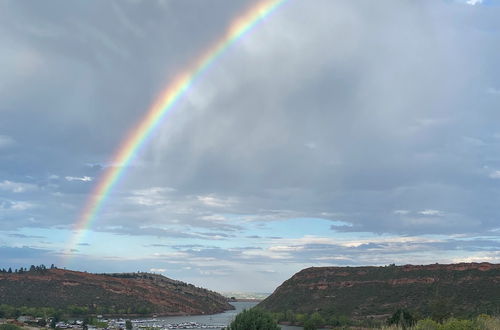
128 325
309 325
314 321
254 319
402 318
440 309
300 318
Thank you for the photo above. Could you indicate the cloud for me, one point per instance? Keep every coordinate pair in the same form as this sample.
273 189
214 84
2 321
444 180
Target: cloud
76 178
23 256
355 126
6 141
17 187
493 91
474 2
495 175
431 212
211 200
16 235
21 205
157 270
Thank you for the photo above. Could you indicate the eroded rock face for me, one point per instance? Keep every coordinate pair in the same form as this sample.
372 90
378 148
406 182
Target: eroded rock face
464 289
112 293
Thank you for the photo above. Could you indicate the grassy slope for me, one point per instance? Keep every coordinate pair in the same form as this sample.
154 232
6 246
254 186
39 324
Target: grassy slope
358 292
60 288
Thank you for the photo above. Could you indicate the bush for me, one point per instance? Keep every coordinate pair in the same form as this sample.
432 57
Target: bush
427 324
486 322
254 319
402 318
314 322
454 324
9 327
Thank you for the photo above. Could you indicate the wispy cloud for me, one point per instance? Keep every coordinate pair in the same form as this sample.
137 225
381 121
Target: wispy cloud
431 212
16 235
495 175
6 141
77 178
17 187
493 91
214 201
157 270
474 2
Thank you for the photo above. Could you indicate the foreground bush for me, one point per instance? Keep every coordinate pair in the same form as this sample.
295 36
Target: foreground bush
454 324
254 319
482 322
427 324
402 318
9 327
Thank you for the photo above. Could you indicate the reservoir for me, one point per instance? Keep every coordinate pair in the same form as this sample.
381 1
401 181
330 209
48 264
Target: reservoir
215 321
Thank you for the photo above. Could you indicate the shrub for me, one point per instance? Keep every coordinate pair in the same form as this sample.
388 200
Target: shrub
402 318
486 322
254 319
427 324
454 324
9 327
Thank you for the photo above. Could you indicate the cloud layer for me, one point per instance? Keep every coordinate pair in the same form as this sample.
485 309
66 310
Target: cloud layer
340 133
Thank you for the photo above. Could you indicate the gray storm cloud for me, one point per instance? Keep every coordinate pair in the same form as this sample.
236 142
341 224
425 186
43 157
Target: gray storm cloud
379 116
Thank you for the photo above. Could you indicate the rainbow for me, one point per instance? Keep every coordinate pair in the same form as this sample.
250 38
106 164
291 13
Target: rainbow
167 99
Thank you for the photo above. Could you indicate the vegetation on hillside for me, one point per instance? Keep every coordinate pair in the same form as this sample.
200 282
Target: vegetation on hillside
9 327
400 320
371 294
80 293
482 322
8 311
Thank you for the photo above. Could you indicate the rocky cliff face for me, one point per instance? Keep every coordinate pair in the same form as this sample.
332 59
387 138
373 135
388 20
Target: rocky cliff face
359 292
133 293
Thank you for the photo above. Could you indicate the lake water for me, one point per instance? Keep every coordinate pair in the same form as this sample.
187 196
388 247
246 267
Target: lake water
215 321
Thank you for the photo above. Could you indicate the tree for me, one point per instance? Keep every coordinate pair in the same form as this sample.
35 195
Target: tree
314 321
128 325
254 319
309 325
402 318
440 309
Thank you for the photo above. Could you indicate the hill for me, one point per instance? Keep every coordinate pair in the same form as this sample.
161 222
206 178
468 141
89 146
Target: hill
125 293
461 290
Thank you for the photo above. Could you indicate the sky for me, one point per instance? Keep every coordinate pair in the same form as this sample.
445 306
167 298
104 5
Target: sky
334 133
